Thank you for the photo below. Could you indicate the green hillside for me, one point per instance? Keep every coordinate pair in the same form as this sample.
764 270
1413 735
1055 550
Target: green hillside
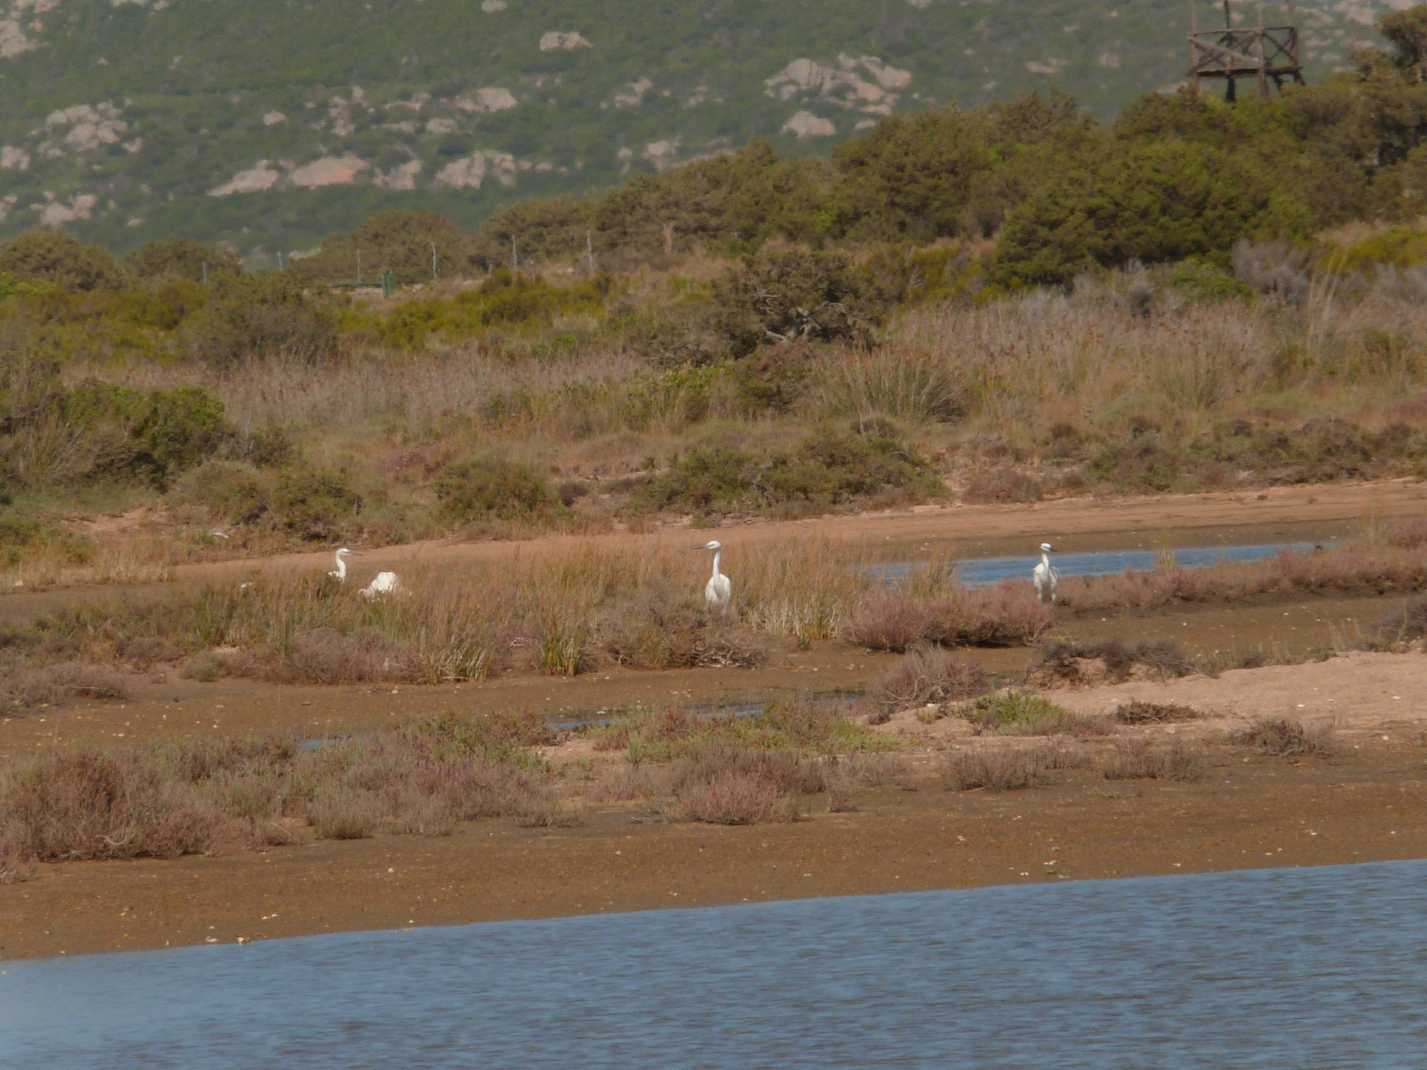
269 123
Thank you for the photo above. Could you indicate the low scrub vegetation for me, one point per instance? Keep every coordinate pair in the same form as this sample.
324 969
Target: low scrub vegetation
172 800
46 684
924 676
729 785
800 726
1077 664
1007 614
1349 569
1021 713
1284 737
1140 759
1407 624
829 470
1003 768
1140 712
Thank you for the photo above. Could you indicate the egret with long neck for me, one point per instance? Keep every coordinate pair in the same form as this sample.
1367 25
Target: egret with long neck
340 572
718 592
1045 577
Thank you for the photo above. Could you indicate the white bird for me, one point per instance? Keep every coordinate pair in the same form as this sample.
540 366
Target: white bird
1045 577
340 572
385 583
718 591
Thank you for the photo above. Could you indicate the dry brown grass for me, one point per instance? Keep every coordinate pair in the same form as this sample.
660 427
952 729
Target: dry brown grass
46 684
925 675
1284 737
1076 664
1140 712
86 804
1141 759
1343 571
1006 614
1001 768
727 785
166 801
1406 624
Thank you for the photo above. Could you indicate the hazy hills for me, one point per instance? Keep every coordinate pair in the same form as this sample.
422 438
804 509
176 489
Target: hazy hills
269 123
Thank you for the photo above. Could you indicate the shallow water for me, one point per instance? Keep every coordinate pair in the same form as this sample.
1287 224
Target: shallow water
984 571
1267 970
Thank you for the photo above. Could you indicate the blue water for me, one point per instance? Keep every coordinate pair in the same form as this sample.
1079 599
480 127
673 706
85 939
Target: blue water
1283 969
984 571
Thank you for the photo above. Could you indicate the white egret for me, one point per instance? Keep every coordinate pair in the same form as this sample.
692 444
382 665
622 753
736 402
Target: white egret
718 592
385 583
340 572
1045 577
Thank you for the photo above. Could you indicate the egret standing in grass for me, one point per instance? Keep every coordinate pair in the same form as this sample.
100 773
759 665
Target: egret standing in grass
340 572
718 592
1045 577
385 582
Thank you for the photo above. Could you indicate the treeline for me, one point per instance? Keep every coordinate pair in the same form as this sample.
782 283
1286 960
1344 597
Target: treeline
1174 176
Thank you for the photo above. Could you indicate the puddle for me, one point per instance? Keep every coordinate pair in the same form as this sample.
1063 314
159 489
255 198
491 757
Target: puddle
750 707
985 571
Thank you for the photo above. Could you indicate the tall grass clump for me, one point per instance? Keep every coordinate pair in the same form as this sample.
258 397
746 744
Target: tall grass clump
1141 759
925 675
728 785
1000 768
1284 737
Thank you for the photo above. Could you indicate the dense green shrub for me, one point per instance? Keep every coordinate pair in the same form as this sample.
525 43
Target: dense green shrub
52 256
231 492
259 316
152 435
22 534
312 504
403 243
794 295
829 469
1162 201
494 487
182 259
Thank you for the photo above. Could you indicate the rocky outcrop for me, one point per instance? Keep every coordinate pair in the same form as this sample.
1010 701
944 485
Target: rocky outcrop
563 41
254 180
805 124
329 171
861 83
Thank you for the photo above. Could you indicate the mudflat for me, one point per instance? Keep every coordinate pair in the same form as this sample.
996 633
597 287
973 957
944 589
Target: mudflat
1362 802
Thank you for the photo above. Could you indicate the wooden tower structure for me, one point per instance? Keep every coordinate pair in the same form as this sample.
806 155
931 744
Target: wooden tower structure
1263 53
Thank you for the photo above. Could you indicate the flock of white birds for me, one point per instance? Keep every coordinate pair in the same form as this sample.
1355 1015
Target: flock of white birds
718 592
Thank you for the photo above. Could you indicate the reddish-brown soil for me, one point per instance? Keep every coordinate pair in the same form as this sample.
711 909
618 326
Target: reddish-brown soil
1365 802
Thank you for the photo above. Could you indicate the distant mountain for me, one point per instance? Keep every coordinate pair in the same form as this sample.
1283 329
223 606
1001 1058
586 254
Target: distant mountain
269 123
